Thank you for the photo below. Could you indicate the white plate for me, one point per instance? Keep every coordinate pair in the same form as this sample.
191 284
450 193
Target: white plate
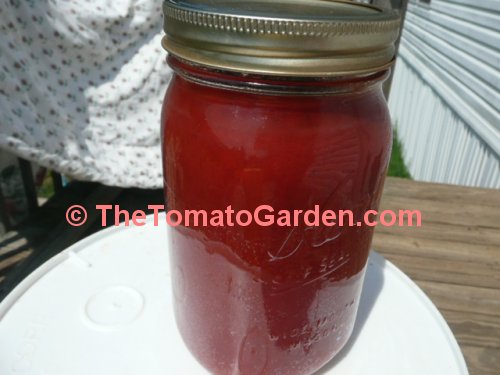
103 306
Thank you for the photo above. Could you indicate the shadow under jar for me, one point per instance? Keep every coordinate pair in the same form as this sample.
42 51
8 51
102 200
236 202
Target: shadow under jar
276 105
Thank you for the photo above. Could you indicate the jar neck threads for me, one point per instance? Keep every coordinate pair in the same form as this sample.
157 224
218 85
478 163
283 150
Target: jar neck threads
275 85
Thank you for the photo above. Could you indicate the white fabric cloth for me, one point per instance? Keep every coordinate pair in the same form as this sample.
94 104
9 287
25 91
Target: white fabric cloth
81 87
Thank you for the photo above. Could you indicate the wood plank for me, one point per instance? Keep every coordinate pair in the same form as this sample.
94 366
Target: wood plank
448 271
463 214
481 360
462 297
441 250
11 246
474 329
489 237
13 260
454 257
400 187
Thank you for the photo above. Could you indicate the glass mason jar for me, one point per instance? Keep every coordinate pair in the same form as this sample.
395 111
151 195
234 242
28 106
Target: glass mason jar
276 104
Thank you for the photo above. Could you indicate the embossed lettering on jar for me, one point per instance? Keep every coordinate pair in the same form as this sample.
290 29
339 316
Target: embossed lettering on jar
281 104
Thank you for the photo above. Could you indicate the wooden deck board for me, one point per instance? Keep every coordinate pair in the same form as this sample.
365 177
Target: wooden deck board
475 330
451 271
482 360
454 257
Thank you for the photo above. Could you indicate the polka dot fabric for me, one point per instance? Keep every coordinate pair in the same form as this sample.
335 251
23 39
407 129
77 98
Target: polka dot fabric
81 87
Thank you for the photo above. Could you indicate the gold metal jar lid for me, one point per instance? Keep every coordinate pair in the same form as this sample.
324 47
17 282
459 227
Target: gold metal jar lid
315 38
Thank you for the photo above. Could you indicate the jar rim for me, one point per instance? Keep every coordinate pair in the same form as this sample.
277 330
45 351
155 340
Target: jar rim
330 38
